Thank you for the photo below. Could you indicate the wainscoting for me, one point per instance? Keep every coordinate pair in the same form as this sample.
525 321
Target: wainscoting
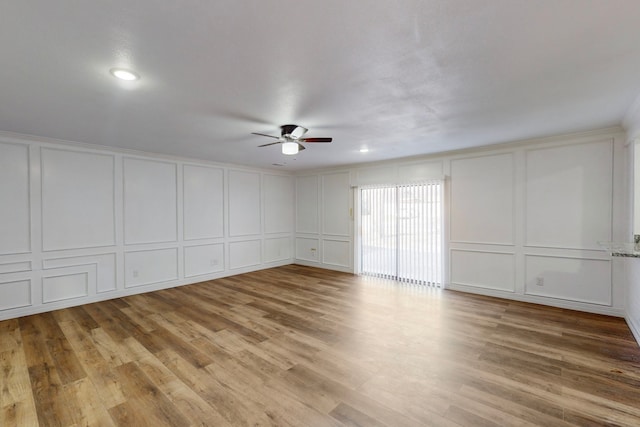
79 224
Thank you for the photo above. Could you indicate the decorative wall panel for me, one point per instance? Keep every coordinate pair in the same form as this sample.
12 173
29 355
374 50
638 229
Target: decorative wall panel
15 212
244 254
203 202
482 200
15 267
336 252
78 205
575 279
64 284
149 201
489 270
307 204
203 259
244 203
104 265
278 204
152 266
569 192
307 249
15 294
336 202
277 249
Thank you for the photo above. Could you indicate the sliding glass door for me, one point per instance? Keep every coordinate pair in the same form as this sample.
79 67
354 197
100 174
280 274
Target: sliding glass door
401 232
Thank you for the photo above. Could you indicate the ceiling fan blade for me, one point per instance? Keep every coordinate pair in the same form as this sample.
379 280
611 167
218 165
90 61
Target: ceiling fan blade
271 143
264 134
316 139
298 132
301 147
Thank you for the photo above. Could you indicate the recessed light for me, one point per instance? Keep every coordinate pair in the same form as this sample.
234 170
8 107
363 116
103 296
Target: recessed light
123 74
364 150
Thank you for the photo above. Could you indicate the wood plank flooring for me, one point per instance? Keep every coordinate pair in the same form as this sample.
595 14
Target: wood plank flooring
298 346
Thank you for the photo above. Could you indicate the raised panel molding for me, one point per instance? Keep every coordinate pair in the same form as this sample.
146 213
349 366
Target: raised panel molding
569 195
308 249
245 254
307 204
150 267
277 249
77 213
483 269
585 280
483 200
68 283
336 252
203 259
15 267
244 203
278 203
203 202
150 201
104 265
15 294
15 197
335 204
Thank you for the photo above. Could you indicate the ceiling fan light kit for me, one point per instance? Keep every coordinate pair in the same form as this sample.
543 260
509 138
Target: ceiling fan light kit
290 148
290 139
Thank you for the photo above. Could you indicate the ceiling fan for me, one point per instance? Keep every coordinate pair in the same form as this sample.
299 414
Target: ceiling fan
290 138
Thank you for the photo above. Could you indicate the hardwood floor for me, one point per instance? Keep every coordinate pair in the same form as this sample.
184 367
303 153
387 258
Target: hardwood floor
298 346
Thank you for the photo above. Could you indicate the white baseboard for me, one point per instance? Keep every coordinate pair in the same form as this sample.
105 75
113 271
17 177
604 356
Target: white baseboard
321 265
119 293
570 305
635 328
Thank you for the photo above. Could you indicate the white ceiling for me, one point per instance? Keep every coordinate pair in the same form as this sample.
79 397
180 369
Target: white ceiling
401 77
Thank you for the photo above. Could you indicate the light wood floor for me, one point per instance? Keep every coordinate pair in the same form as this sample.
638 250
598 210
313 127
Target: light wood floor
297 346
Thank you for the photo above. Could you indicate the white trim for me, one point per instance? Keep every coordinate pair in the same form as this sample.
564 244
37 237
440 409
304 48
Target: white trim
514 206
124 200
635 329
30 304
513 260
526 151
29 310
184 259
30 233
223 189
566 304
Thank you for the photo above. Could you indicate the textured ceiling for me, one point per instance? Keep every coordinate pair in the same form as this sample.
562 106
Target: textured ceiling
401 77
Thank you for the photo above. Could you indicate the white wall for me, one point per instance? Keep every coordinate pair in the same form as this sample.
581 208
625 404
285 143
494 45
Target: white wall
324 223
538 211
632 265
79 224
632 314
523 221
86 224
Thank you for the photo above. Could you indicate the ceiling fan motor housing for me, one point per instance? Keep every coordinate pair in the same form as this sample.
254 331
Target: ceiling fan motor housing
292 131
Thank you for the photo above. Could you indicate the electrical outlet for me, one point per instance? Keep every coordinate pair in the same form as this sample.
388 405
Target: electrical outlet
135 273
539 281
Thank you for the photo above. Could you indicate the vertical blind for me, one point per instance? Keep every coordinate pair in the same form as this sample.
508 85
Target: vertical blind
401 232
